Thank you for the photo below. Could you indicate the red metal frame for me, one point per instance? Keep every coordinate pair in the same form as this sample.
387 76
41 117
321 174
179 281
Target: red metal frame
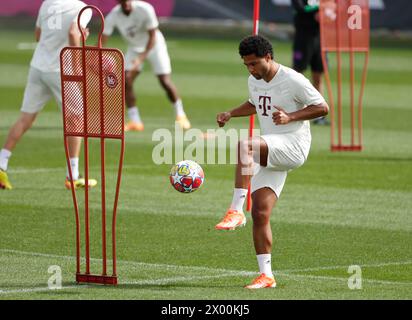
114 130
350 45
256 14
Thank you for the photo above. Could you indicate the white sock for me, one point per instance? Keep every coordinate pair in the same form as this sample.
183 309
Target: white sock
178 105
265 264
134 115
4 159
74 163
239 197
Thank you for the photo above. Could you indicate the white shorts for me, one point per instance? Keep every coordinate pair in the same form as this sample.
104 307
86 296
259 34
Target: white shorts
41 87
158 57
286 152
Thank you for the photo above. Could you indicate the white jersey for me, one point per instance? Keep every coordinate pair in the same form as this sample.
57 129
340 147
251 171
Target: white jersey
289 90
54 20
134 27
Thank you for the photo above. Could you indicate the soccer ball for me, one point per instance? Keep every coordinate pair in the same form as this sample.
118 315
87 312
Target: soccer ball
186 176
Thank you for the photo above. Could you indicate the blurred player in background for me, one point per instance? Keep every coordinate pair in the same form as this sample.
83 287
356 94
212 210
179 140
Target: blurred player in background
283 100
56 28
306 44
137 23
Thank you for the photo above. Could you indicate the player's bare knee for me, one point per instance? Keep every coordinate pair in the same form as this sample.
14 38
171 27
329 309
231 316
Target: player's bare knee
244 152
260 214
244 146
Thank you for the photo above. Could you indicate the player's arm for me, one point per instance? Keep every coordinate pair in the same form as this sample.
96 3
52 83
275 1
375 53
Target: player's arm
308 113
109 26
245 109
75 35
37 29
151 25
37 33
149 46
75 41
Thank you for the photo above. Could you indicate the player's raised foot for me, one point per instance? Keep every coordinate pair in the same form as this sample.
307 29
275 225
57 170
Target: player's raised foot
232 220
263 281
183 122
80 183
134 126
4 181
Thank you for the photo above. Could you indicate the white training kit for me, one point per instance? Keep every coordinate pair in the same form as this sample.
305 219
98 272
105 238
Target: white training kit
54 20
134 30
288 144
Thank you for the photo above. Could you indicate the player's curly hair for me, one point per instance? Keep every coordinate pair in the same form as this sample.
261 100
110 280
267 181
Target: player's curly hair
258 45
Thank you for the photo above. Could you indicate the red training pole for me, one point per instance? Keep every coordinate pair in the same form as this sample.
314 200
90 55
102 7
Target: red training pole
256 12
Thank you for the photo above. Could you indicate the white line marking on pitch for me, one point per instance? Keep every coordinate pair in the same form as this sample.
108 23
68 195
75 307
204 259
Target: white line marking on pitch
162 281
288 275
156 265
377 265
26 45
24 170
38 289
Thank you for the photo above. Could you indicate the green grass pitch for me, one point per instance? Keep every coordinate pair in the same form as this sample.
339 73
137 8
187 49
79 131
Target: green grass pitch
339 209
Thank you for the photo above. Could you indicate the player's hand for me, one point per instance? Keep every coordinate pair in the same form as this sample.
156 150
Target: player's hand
139 60
86 32
222 118
281 116
136 63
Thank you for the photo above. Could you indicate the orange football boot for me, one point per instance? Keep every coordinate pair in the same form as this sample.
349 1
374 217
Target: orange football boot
183 122
263 281
232 220
134 126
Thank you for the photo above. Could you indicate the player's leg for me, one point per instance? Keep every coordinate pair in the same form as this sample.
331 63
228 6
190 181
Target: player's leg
286 152
36 95
301 56
165 81
160 60
18 129
264 200
52 81
74 146
130 97
316 64
266 186
317 80
249 151
317 73
23 123
135 123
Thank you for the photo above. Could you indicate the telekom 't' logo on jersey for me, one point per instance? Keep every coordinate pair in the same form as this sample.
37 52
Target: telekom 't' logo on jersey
264 104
